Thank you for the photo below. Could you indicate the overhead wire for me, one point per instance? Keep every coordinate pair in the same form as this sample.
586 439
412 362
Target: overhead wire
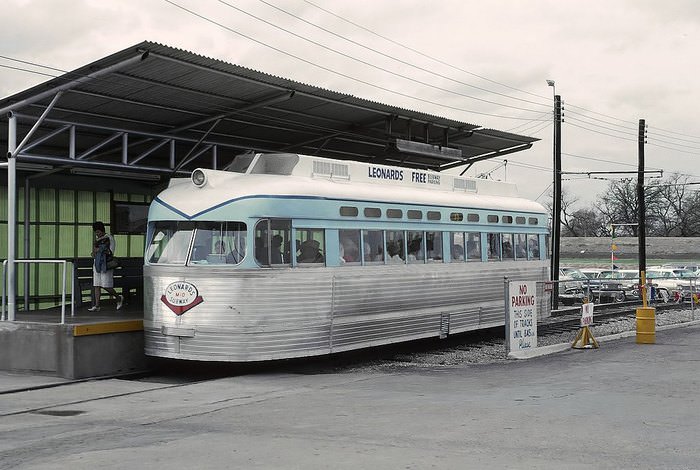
415 51
531 133
374 66
598 132
569 119
626 128
364 46
651 133
530 121
335 72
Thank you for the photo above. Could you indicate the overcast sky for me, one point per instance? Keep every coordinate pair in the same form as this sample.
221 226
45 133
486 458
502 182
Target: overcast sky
482 62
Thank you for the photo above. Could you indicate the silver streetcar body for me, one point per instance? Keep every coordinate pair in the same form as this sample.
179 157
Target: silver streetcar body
292 256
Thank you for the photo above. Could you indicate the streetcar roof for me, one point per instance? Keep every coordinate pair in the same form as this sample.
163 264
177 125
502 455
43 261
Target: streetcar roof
304 176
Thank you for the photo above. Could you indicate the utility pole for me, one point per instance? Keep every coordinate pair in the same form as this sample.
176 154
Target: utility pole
641 229
556 206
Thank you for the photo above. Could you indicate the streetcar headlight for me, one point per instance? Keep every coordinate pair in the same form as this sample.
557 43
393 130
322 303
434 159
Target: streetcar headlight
199 178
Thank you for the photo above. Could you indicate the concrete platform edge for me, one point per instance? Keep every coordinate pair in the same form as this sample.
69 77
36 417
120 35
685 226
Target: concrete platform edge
556 348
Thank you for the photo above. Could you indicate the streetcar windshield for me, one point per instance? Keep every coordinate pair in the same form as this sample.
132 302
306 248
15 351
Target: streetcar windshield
203 243
169 242
218 243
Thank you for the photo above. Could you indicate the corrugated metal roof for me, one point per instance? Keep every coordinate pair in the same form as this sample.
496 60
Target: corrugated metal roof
154 93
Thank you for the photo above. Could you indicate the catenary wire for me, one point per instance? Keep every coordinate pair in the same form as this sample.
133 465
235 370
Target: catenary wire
598 132
415 51
364 82
377 67
364 46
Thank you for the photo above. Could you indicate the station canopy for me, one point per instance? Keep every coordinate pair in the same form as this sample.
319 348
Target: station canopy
153 111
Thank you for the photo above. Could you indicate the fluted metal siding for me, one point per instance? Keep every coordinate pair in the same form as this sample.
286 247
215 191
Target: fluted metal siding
275 313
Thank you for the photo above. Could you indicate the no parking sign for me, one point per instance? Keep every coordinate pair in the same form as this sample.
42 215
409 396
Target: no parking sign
521 315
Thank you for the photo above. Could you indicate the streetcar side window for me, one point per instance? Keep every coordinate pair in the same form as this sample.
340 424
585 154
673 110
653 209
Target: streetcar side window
533 246
494 246
395 247
416 247
349 247
474 246
373 246
507 246
433 247
520 246
311 246
280 242
457 244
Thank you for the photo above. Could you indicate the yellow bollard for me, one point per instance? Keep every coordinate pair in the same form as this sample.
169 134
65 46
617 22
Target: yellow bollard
646 325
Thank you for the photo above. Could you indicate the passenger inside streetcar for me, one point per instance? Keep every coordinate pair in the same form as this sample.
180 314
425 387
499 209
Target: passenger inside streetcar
276 250
309 252
457 253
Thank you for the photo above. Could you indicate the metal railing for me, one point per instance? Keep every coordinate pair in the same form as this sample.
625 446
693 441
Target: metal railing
63 290
684 291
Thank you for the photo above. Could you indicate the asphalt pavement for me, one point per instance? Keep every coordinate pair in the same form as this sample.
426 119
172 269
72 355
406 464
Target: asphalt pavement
621 406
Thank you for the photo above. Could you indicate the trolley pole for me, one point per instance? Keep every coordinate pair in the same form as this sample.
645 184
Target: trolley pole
640 198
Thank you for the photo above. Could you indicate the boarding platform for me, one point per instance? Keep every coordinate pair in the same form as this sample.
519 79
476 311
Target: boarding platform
87 344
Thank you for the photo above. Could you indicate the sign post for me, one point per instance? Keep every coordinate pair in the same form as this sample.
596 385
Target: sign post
584 338
521 315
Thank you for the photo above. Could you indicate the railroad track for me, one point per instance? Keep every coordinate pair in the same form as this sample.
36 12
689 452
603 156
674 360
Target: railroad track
485 346
570 318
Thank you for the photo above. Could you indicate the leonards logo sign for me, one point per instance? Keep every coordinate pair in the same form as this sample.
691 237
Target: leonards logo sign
181 296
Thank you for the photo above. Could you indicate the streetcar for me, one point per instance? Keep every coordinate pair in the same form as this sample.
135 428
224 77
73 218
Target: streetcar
285 256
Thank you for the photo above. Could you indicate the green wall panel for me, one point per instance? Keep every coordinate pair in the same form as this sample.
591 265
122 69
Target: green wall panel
66 242
86 207
3 203
103 207
47 241
47 205
3 240
66 205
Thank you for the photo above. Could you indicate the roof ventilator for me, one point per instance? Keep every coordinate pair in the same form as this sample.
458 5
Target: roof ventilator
463 184
330 170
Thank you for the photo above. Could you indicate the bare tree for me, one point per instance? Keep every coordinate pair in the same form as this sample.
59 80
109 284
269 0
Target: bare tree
618 205
676 214
585 223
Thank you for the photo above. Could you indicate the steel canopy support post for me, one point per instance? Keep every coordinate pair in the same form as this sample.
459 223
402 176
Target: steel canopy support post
641 229
556 206
11 215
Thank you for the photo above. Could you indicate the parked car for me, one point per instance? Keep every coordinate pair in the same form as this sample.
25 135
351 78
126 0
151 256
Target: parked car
605 286
679 283
571 286
630 282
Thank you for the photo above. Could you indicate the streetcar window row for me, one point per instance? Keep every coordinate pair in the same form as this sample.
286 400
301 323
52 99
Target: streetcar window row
218 243
413 214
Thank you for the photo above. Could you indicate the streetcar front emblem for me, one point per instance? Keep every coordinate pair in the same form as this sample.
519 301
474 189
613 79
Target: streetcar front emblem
180 296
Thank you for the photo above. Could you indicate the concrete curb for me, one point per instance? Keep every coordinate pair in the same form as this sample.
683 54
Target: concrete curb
555 348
